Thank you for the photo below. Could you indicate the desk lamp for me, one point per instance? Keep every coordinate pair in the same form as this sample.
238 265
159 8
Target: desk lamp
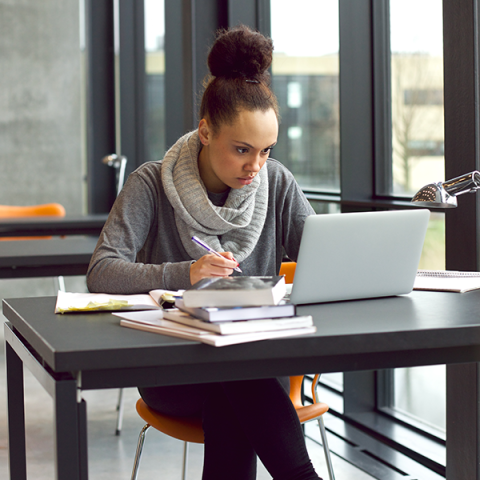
118 162
444 194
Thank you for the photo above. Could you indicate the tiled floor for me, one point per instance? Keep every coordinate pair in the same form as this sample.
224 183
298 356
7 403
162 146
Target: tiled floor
110 456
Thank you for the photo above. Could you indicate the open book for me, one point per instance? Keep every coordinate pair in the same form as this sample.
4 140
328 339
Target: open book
447 281
94 302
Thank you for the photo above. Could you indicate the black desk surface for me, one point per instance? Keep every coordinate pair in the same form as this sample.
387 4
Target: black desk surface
422 328
52 257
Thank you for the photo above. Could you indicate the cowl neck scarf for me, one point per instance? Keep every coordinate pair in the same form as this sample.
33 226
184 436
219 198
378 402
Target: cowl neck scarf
235 227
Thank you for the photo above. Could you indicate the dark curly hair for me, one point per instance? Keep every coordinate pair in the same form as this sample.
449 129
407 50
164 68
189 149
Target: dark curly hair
239 79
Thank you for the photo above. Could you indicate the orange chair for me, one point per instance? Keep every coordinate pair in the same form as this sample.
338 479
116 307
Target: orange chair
288 269
44 210
189 429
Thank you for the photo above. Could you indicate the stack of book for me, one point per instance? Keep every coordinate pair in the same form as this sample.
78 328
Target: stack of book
240 311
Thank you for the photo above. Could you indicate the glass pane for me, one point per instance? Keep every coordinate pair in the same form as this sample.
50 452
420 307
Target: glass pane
305 80
324 207
420 393
333 380
433 254
417 94
155 79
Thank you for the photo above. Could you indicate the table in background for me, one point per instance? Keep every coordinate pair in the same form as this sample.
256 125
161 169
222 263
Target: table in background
69 225
91 351
46 258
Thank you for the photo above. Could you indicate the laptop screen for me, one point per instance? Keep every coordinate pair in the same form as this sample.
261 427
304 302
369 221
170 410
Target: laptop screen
359 255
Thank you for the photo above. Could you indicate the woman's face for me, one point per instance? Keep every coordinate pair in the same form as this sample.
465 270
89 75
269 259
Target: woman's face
232 157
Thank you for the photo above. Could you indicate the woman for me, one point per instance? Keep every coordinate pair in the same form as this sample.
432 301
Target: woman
217 183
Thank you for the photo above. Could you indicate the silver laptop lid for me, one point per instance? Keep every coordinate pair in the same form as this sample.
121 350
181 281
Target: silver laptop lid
359 255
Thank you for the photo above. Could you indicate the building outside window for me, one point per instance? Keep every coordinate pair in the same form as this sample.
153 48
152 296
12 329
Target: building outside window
154 79
305 80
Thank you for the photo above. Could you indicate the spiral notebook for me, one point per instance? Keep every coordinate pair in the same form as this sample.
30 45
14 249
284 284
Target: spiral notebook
447 281
352 256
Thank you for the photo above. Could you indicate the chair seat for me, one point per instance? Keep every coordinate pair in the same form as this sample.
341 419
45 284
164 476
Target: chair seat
311 412
187 429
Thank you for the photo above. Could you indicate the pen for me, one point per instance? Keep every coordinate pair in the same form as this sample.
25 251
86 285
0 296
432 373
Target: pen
211 250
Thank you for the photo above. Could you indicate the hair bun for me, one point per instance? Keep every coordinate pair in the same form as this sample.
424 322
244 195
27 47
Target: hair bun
240 52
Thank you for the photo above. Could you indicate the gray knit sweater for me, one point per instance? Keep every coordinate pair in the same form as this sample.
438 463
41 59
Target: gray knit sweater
139 248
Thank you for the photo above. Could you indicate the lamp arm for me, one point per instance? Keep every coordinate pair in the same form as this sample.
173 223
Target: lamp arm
467 183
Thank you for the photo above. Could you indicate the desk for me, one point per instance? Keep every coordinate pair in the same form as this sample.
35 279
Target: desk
68 354
46 258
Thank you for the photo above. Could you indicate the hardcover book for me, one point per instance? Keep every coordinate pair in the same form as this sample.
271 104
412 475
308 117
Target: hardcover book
226 314
239 326
238 291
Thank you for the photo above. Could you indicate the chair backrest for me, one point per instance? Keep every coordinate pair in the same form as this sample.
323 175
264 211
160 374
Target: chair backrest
43 210
46 210
296 383
288 269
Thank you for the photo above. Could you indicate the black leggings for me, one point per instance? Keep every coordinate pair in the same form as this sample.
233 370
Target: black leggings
241 420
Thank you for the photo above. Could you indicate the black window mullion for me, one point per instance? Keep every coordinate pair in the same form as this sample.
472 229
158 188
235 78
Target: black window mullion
382 98
100 104
132 82
461 103
461 84
190 27
356 101
356 148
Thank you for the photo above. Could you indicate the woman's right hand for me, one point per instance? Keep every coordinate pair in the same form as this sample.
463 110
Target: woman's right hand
212 266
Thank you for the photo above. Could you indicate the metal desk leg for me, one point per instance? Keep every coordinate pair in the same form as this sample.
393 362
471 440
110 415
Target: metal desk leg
70 421
463 421
82 426
16 415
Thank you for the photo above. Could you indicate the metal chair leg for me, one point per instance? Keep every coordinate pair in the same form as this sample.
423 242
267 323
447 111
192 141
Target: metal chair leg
59 284
323 432
185 461
138 454
326 449
120 412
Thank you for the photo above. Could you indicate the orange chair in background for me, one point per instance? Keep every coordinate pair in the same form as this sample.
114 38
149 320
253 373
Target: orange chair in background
43 210
190 429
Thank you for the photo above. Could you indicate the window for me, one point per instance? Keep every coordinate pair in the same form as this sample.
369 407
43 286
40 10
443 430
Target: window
155 79
425 96
305 80
418 159
417 94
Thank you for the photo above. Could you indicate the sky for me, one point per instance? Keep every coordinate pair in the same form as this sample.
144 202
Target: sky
416 26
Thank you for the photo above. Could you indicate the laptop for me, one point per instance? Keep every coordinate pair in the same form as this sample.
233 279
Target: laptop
352 256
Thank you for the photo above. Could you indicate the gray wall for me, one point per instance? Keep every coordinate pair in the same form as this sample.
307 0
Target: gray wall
41 140
40 98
